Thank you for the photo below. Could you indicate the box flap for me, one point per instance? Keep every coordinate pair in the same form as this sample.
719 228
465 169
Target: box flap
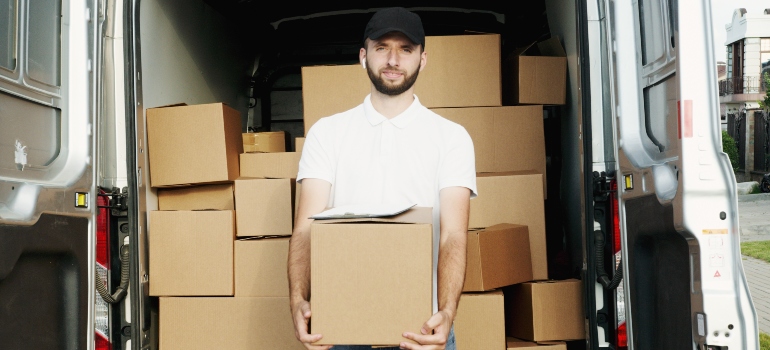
416 215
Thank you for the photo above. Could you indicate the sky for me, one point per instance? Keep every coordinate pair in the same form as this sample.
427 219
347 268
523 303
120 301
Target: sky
722 14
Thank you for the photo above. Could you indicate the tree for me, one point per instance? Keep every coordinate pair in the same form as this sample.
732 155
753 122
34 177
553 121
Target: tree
729 147
765 103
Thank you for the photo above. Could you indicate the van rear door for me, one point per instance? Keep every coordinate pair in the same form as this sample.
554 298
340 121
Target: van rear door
47 189
683 285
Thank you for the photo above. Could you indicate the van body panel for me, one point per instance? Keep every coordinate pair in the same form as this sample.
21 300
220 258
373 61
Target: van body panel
678 214
48 109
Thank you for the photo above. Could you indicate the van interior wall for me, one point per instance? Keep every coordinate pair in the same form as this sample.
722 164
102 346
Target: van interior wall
192 54
562 16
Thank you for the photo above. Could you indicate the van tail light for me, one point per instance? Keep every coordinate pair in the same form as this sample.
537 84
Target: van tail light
621 333
101 307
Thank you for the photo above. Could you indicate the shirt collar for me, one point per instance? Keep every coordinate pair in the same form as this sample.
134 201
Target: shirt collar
400 121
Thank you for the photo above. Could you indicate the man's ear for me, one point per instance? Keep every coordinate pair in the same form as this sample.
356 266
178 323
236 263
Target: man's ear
362 57
423 60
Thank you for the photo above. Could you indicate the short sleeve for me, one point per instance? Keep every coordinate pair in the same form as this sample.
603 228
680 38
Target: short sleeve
458 166
316 160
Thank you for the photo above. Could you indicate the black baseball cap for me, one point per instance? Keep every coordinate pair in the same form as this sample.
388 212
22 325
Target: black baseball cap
395 19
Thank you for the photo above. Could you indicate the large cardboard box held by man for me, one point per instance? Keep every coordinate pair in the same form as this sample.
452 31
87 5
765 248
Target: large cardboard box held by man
498 256
536 74
193 144
232 323
517 198
545 310
506 138
438 85
371 279
191 252
480 321
265 207
260 267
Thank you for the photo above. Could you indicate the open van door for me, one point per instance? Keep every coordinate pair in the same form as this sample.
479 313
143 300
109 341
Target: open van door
683 283
48 193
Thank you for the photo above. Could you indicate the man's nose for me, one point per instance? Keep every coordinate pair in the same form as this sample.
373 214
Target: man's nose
393 59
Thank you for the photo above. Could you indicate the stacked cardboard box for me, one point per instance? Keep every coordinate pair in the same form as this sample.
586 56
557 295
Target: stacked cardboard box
270 141
506 238
221 277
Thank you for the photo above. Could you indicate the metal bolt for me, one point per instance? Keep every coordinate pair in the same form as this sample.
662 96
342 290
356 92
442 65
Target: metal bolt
730 326
124 228
723 215
126 331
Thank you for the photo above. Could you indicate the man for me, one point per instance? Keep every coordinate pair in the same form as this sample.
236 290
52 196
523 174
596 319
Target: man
389 149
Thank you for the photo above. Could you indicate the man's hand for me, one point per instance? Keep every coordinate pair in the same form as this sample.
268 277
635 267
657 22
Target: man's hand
301 314
434 333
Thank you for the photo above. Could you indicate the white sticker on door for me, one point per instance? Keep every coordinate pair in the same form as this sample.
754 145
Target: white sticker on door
20 155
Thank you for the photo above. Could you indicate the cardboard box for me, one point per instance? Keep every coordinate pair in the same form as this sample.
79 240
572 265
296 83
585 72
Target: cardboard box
261 267
536 74
299 143
202 197
193 144
480 321
375 272
226 323
438 85
270 141
191 252
265 207
497 256
504 138
281 165
545 310
518 344
514 197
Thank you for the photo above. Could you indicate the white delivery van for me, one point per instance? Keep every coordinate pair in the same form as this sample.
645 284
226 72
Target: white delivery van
641 201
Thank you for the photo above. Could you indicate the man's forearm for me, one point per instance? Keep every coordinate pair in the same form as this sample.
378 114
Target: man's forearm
451 271
299 266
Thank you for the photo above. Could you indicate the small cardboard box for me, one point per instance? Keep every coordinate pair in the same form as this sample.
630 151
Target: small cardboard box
202 197
191 253
193 144
514 197
281 165
375 272
438 85
518 344
226 323
497 256
265 207
270 141
261 267
480 321
536 74
507 138
545 310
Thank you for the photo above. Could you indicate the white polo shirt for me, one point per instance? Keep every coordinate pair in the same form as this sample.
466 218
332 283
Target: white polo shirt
408 159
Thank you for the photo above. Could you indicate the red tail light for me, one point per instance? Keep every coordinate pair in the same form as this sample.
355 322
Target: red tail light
103 232
101 342
622 335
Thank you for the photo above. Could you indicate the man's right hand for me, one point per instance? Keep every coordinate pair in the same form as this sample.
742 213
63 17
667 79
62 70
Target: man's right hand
301 314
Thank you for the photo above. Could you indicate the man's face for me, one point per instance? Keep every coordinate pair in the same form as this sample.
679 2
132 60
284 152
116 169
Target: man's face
393 63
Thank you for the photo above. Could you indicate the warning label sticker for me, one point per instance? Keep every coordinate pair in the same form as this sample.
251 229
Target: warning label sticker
715 231
717 274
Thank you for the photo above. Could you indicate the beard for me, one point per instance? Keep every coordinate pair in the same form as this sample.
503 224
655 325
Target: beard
387 88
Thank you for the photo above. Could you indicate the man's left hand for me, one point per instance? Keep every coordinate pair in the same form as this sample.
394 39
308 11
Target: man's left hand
434 333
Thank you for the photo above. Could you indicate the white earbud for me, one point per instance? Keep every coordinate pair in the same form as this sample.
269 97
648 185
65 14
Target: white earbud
363 63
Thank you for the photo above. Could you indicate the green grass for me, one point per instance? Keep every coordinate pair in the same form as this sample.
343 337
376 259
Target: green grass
758 249
764 341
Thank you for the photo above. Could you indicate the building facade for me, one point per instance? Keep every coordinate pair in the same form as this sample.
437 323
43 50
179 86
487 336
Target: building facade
748 58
